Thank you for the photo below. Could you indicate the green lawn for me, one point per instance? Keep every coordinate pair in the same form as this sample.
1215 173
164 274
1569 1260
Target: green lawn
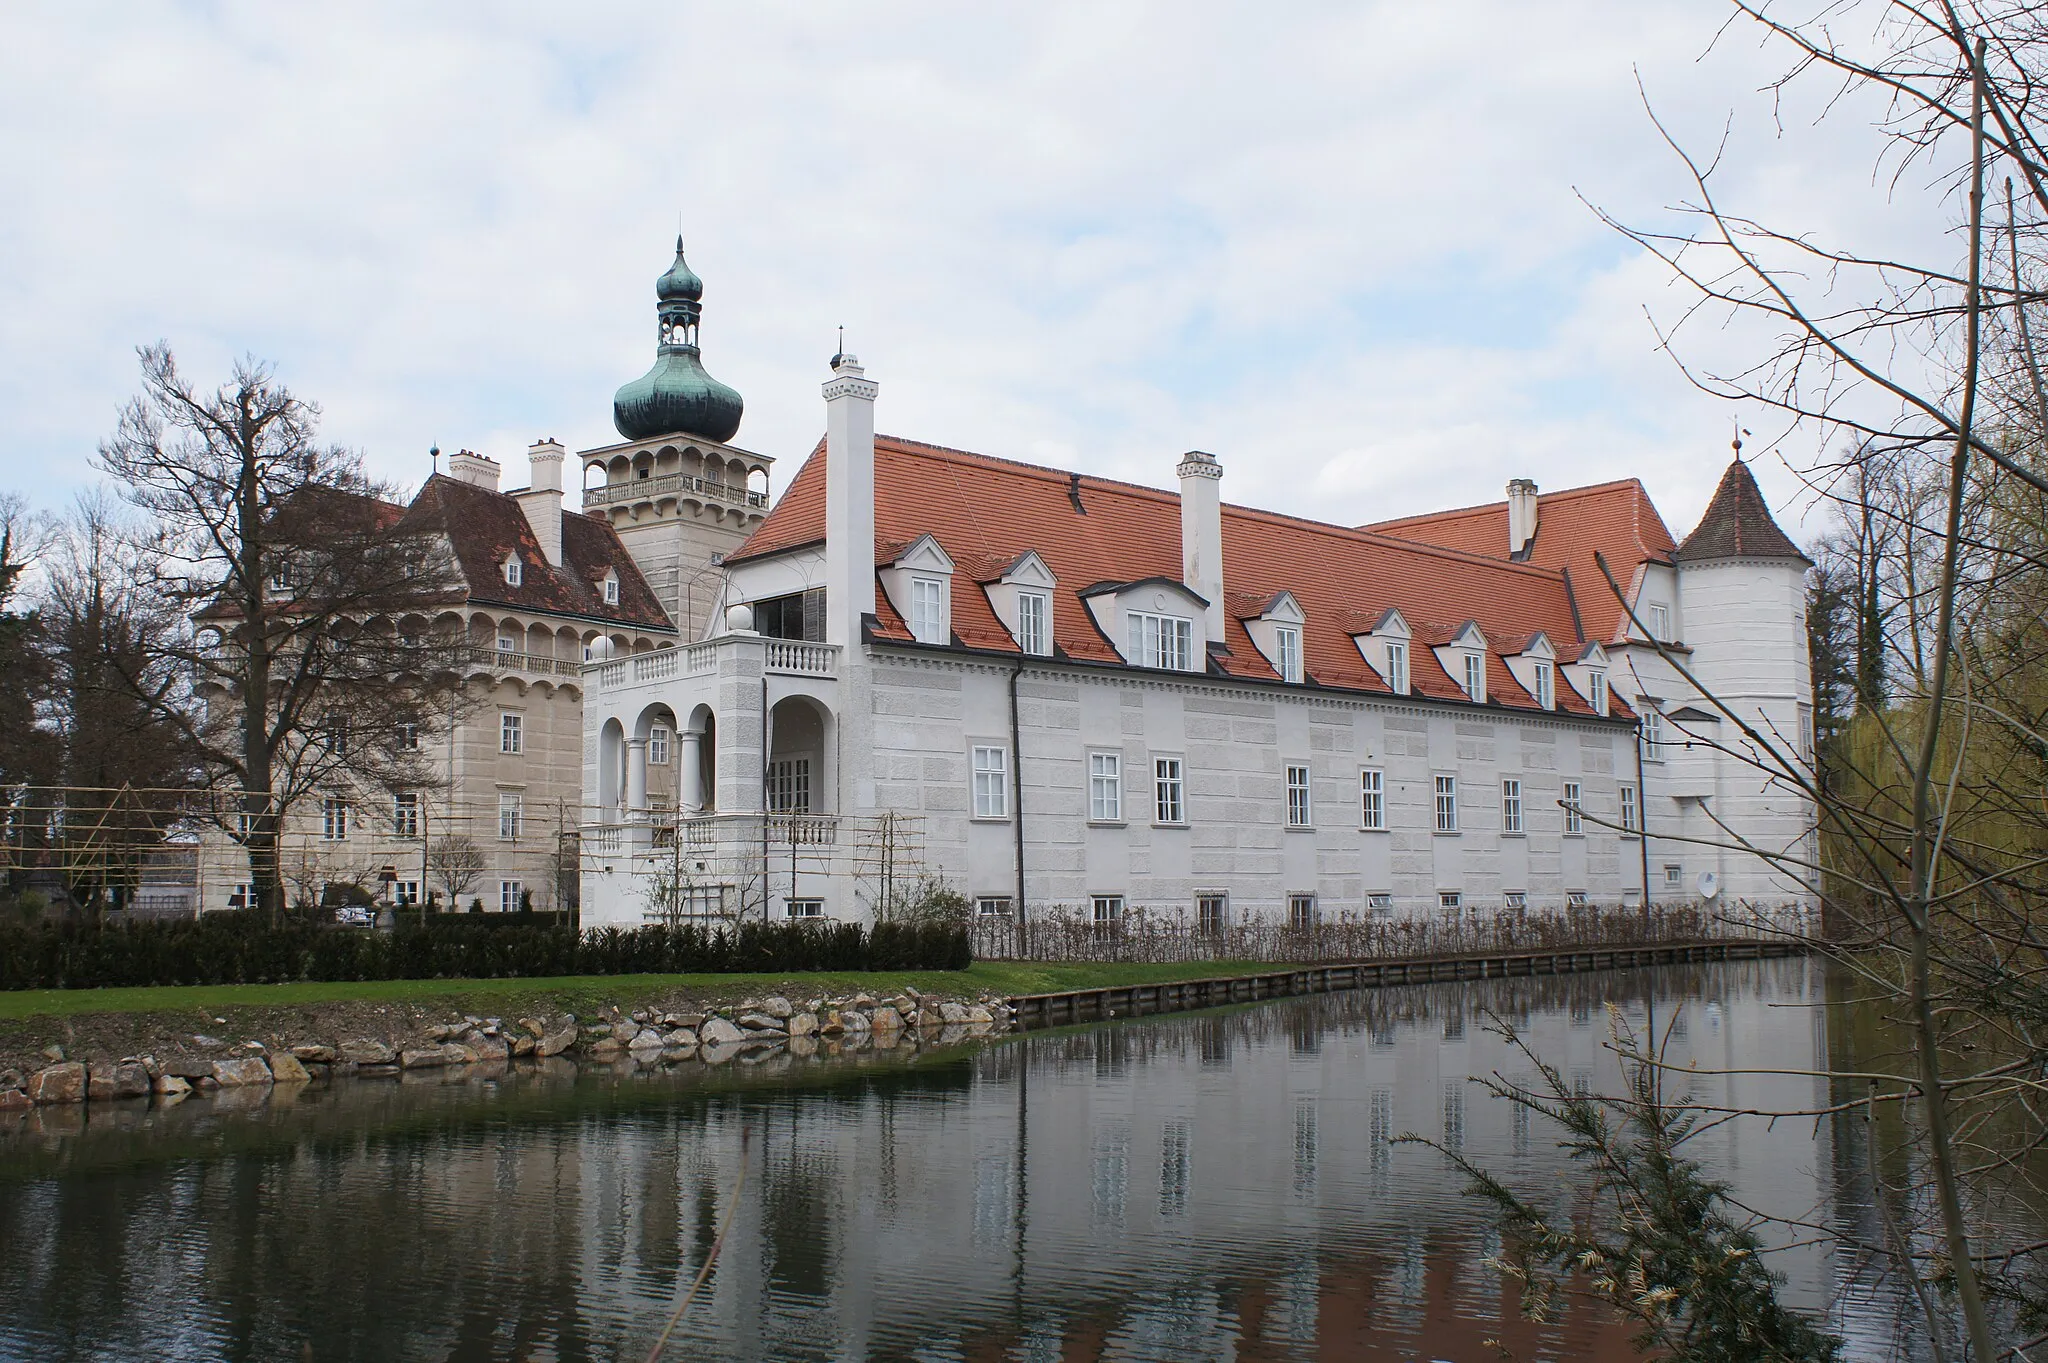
578 993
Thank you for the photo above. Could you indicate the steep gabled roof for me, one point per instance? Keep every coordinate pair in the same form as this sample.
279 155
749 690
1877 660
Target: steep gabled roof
1615 520
1738 524
484 527
1091 531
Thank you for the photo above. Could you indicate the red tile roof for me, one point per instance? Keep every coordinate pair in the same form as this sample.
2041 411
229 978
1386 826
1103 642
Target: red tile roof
485 526
1616 520
1089 531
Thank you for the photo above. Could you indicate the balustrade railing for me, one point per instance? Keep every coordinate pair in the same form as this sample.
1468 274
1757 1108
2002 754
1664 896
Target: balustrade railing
642 489
509 660
810 660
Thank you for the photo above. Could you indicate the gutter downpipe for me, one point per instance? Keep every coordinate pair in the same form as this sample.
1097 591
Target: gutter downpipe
767 749
1643 818
1017 797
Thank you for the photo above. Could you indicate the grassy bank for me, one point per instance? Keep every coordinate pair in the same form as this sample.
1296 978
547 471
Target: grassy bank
585 993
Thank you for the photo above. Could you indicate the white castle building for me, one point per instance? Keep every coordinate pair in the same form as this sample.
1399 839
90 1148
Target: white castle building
1064 693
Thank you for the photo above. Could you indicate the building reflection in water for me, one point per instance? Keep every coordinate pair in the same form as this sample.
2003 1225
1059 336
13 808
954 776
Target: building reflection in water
1217 1186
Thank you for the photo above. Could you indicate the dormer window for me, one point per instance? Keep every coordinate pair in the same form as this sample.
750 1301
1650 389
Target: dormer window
513 571
1596 691
610 588
1659 618
1546 687
1166 641
1475 678
281 577
1397 667
928 610
1034 622
1288 639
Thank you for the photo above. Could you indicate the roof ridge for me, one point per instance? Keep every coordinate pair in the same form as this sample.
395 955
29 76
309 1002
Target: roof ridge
1500 503
1166 497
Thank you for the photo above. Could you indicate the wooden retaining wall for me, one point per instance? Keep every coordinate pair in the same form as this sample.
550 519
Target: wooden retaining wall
1094 1005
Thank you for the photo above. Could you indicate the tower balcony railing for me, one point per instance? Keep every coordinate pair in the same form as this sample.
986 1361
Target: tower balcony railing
673 485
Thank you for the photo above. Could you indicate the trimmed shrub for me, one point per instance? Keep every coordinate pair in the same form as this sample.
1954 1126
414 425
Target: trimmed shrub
243 948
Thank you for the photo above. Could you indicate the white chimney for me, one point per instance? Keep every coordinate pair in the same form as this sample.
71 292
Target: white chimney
849 500
1201 533
542 500
1521 515
470 467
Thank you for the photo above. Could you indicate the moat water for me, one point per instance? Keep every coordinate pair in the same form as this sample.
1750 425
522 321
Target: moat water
1207 1186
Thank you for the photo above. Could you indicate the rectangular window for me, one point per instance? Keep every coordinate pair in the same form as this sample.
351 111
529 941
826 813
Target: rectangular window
510 809
1372 799
1546 687
405 814
1628 809
928 610
1289 640
242 895
507 644
334 733
1109 912
1397 667
1653 731
611 591
281 576
1659 621
511 733
408 738
1446 804
1806 732
511 895
1516 899
1380 902
1575 899
657 745
1212 911
1674 877
1298 811
1034 622
1166 641
1475 676
1301 912
334 818
1450 899
993 906
245 824
1596 691
514 572
1574 819
806 908
1105 787
789 786
1511 805
405 893
1168 789
991 783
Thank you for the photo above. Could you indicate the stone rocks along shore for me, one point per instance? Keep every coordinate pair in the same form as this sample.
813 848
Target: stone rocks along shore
185 1064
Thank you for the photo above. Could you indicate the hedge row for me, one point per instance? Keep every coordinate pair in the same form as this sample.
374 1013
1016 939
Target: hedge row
229 949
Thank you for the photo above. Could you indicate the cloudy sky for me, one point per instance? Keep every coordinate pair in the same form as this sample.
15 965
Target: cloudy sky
1339 245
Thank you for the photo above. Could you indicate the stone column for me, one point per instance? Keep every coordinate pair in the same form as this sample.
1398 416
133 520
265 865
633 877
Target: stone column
690 774
636 778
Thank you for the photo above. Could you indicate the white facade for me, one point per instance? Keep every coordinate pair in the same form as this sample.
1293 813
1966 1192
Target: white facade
1147 776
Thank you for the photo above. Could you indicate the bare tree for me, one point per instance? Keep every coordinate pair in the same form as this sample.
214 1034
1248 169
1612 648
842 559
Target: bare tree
293 600
1925 379
457 863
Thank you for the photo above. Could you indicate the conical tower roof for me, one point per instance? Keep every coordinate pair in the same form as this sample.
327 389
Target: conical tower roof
1738 524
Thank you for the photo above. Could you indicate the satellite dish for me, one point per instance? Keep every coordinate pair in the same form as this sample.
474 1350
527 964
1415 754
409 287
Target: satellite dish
1710 884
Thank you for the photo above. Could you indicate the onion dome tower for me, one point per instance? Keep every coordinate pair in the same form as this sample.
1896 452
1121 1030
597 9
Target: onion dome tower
677 397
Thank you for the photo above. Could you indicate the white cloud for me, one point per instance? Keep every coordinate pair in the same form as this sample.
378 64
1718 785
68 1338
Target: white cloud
1337 245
